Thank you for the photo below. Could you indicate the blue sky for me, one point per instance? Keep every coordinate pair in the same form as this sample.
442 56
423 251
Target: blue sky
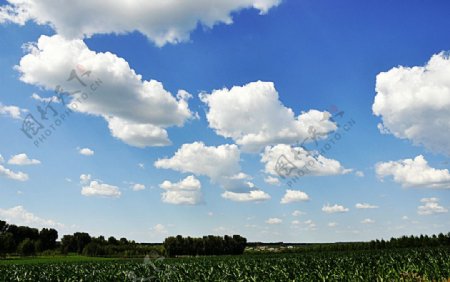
312 57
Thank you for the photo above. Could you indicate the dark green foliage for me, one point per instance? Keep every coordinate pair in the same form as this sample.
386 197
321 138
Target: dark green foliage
26 247
208 245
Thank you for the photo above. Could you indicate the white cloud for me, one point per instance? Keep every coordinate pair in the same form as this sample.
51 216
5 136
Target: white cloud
220 164
11 111
137 110
359 173
365 206
334 209
310 225
19 176
274 220
2 160
85 178
414 173
184 192
367 221
298 162
199 159
332 224
431 206
251 196
100 189
20 216
413 103
86 152
22 159
161 22
272 180
292 196
297 213
138 187
141 165
159 229
52 99
264 120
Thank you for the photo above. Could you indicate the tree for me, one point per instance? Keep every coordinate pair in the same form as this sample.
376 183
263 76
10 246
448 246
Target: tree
26 247
81 240
68 244
47 238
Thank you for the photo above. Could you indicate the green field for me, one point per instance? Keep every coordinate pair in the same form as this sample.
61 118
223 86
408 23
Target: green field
425 264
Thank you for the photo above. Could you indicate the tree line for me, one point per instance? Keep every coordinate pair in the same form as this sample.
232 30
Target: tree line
393 243
207 245
24 240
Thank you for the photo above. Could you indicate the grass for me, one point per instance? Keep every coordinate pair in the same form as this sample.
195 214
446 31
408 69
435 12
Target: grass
52 259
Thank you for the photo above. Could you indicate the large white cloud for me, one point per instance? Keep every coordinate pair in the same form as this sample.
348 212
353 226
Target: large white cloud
20 216
96 188
199 159
220 164
414 103
292 196
137 110
263 119
161 21
414 173
185 192
298 162
431 206
22 159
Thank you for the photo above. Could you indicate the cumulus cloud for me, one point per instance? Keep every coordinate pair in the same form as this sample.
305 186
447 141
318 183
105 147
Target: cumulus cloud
20 216
86 152
264 120
220 164
334 209
414 173
2 160
365 206
137 110
96 188
185 192
138 187
298 162
161 22
85 178
252 196
199 159
332 224
292 196
430 206
272 180
11 111
367 221
22 159
274 220
414 102
19 176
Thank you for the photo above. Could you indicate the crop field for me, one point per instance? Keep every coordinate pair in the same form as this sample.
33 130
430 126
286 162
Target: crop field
426 264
